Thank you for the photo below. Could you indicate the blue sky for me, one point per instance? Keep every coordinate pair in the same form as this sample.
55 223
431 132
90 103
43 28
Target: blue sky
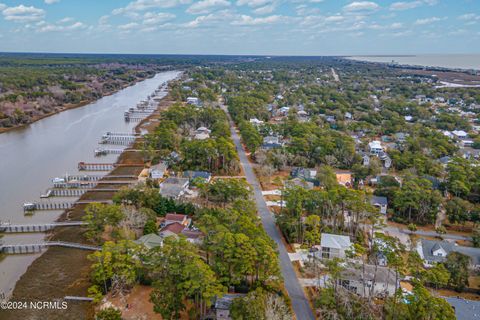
271 27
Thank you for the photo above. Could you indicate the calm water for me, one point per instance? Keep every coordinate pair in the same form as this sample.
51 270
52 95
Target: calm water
460 61
32 156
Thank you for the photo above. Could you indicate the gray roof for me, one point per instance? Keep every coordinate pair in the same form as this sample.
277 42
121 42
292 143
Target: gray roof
335 241
377 200
465 309
428 246
226 300
171 190
150 240
379 273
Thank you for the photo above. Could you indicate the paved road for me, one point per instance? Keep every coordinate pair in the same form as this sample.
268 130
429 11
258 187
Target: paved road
300 304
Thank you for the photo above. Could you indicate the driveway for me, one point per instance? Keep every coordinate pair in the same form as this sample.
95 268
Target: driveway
300 304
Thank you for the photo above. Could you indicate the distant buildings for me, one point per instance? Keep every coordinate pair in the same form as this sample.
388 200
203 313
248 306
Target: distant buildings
375 147
271 142
157 171
174 187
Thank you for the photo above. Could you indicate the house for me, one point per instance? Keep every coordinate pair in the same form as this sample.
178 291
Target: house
283 111
380 202
174 187
150 241
460 134
375 147
223 304
333 246
304 173
432 251
465 309
348 116
298 182
344 178
256 122
408 118
176 229
157 171
467 143
370 281
194 101
271 142
192 175
202 133
171 218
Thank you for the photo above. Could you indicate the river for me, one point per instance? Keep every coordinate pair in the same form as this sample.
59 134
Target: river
31 157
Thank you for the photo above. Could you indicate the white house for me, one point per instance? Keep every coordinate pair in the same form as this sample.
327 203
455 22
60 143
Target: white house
193 100
255 121
157 171
460 134
375 147
333 246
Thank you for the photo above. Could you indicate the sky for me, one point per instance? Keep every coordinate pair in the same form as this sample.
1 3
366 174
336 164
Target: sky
256 27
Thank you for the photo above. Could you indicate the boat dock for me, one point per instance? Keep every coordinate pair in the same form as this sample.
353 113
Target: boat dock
38 247
39 227
36 206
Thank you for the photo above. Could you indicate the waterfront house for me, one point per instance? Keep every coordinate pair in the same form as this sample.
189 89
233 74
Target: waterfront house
150 241
202 133
333 246
194 101
460 134
380 202
174 187
171 218
157 171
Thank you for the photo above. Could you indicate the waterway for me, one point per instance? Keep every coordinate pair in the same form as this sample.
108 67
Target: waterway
31 157
453 61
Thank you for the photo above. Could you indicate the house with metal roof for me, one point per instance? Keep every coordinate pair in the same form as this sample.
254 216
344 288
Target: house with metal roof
333 246
380 202
465 309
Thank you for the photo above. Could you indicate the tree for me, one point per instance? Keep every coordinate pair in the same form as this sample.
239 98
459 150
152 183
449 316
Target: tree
150 227
457 265
438 276
476 237
109 313
420 305
179 273
98 216
327 177
114 267
260 304
458 210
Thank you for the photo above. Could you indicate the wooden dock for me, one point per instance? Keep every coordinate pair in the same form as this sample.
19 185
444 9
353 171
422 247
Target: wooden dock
38 247
39 227
36 206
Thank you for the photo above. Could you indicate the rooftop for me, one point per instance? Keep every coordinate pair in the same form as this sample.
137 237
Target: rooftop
335 241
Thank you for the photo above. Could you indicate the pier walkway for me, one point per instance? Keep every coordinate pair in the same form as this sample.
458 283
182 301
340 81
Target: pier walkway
38 227
38 247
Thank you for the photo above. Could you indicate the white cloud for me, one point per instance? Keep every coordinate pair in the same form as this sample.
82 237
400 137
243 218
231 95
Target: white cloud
45 27
245 20
210 19
335 18
141 5
65 20
396 25
358 6
205 6
421 22
398 6
265 9
2 6
406 5
253 3
128 26
150 18
22 13
51 1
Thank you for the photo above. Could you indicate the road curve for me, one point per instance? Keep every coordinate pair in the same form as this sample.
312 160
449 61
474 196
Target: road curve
300 304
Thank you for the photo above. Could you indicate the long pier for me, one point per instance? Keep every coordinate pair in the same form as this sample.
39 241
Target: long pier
38 247
90 184
96 166
35 206
77 192
39 227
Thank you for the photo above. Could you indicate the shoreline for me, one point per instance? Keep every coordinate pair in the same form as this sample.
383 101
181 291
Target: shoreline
58 272
364 59
67 107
